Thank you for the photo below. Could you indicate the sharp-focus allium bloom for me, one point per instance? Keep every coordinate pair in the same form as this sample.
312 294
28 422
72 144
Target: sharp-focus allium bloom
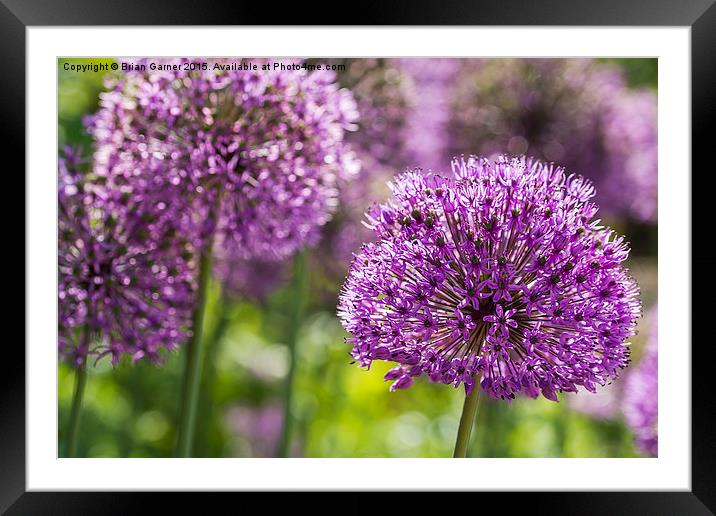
499 271
125 273
641 400
576 112
257 154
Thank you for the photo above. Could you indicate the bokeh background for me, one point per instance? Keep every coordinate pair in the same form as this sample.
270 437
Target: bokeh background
414 112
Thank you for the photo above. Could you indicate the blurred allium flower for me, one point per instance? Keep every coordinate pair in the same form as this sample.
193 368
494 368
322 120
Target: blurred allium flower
248 278
499 271
125 277
383 93
429 116
630 143
258 154
641 399
576 112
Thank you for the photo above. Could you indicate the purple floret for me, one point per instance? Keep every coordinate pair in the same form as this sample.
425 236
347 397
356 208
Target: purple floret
499 272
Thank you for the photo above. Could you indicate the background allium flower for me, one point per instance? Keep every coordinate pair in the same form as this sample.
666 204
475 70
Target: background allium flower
576 112
125 273
248 278
257 153
498 271
383 94
641 400
429 116
630 140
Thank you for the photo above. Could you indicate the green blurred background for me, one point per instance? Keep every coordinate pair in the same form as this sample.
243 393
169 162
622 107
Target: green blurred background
338 409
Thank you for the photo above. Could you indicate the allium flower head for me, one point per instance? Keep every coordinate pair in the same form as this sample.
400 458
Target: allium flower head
125 276
257 153
576 112
641 400
499 271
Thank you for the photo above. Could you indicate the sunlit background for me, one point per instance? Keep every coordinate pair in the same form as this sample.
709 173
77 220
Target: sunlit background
338 409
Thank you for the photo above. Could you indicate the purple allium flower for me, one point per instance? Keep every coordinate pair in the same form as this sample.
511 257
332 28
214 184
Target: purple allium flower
258 154
641 400
429 116
499 271
630 140
576 112
125 273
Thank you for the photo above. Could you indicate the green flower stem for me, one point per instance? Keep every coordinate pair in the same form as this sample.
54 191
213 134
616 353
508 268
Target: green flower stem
298 307
469 409
208 379
194 358
76 410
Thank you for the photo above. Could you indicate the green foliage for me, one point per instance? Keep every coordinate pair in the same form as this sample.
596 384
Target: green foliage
639 71
77 95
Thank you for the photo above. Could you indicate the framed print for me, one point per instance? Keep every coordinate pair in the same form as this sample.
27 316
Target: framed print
447 252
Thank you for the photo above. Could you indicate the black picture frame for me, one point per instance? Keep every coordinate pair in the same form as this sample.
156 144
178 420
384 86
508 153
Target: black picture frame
700 15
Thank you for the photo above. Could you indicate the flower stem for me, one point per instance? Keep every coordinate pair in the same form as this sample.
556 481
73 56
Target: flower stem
194 358
207 406
76 410
298 305
469 409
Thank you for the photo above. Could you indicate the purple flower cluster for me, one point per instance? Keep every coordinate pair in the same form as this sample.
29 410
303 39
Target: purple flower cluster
257 154
576 112
641 401
126 278
498 272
